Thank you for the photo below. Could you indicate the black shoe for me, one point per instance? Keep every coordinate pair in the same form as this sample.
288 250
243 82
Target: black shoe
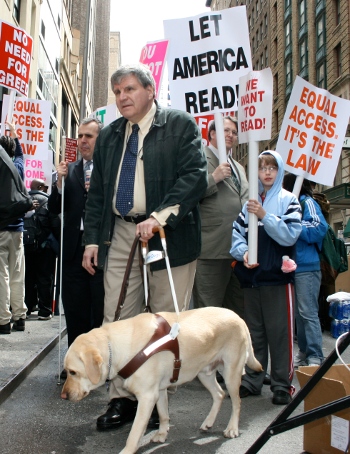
153 422
63 375
267 379
5 329
120 411
244 392
19 325
281 397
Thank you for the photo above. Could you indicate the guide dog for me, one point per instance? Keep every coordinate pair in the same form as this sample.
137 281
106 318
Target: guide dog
209 339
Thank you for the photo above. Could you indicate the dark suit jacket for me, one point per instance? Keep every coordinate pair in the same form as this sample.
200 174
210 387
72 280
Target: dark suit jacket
74 207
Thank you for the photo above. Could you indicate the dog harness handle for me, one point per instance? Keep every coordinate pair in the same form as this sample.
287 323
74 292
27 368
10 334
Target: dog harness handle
163 329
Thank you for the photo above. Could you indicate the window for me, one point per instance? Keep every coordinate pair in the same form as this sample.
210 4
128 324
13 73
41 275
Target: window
321 75
275 84
302 13
266 58
338 60
320 32
287 3
287 31
16 9
288 72
265 24
261 61
337 12
275 48
303 56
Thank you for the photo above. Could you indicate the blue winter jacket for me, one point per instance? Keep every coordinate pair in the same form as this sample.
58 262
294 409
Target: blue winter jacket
278 232
314 228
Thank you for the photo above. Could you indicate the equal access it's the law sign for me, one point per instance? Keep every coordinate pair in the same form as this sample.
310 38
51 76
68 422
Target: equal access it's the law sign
153 56
312 133
15 58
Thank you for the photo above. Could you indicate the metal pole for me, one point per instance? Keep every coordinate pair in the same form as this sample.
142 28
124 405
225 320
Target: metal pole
85 64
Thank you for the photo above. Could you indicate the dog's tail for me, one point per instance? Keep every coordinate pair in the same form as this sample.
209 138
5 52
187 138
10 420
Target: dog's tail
252 362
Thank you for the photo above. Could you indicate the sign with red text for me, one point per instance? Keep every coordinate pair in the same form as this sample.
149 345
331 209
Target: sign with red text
207 55
70 151
38 169
32 120
105 114
255 106
203 123
153 56
15 57
312 132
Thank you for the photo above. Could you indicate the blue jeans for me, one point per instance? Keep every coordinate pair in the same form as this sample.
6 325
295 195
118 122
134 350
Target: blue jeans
309 333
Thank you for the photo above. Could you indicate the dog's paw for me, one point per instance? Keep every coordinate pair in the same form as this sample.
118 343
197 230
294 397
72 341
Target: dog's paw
159 437
205 427
231 433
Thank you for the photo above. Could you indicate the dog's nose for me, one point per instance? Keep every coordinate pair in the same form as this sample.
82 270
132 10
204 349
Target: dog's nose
64 396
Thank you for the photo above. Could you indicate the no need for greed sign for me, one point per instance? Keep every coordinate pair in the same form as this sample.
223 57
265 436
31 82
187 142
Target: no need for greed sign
15 58
207 55
312 133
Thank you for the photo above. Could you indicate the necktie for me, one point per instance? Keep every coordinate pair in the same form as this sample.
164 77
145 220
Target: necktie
234 176
125 192
87 166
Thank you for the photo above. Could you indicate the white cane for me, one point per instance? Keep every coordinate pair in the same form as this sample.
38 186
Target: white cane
60 306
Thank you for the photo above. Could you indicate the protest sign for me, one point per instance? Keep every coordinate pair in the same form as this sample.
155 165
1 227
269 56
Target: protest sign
105 114
153 56
38 169
312 132
32 120
203 123
15 58
70 152
255 106
207 54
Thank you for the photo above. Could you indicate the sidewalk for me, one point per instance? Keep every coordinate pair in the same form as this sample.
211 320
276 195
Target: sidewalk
21 351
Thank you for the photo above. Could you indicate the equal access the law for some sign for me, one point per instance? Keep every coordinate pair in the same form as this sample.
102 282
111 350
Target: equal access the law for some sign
312 133
207 55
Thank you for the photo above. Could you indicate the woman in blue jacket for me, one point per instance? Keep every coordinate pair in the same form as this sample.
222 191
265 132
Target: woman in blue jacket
308 276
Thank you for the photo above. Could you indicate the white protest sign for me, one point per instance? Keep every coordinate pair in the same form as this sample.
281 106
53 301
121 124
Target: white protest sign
105 114
312 132
15 57
153 56
32 120
207 55
255 106
38 169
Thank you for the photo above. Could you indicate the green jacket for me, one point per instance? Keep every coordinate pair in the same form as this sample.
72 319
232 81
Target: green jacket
175 171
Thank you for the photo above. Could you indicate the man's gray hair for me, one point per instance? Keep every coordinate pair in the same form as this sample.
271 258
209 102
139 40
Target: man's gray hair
140 71
88 120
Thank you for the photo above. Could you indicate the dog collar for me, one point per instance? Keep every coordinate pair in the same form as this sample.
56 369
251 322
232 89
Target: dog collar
108 381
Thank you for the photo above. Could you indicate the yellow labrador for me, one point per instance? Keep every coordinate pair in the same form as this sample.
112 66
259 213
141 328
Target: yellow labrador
210 338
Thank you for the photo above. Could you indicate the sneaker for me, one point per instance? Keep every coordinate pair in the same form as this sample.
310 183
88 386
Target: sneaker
281 398
19 325
314 364
48 317
5 329
300 359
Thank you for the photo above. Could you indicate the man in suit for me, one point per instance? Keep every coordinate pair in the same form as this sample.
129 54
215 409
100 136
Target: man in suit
168 176
215 283
82 292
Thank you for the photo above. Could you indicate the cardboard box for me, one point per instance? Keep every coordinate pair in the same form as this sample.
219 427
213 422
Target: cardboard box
328 435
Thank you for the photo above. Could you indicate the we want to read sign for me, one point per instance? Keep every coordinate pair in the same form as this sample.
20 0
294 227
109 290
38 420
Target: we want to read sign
312 132
207 54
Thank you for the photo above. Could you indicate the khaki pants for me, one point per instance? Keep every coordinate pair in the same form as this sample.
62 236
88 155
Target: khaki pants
12 269
159 287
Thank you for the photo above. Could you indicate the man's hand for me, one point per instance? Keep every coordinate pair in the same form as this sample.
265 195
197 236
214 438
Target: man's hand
221 172
90 259
62 171
145 229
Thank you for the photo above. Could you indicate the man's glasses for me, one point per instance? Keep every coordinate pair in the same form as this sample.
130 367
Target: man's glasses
268 169
228 131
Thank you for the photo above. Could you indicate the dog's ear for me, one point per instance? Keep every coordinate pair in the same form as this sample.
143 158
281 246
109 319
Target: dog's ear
93 365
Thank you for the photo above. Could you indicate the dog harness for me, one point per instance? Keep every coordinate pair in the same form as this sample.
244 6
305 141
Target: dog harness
163 329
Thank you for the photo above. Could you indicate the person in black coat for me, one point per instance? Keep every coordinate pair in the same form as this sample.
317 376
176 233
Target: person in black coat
82 293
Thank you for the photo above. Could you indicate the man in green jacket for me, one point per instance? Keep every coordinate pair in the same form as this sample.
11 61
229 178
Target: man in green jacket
158 151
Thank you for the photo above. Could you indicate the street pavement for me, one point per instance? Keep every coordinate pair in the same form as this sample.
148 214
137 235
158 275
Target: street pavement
34 419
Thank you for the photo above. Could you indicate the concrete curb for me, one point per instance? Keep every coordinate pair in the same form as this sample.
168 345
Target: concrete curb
17 378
